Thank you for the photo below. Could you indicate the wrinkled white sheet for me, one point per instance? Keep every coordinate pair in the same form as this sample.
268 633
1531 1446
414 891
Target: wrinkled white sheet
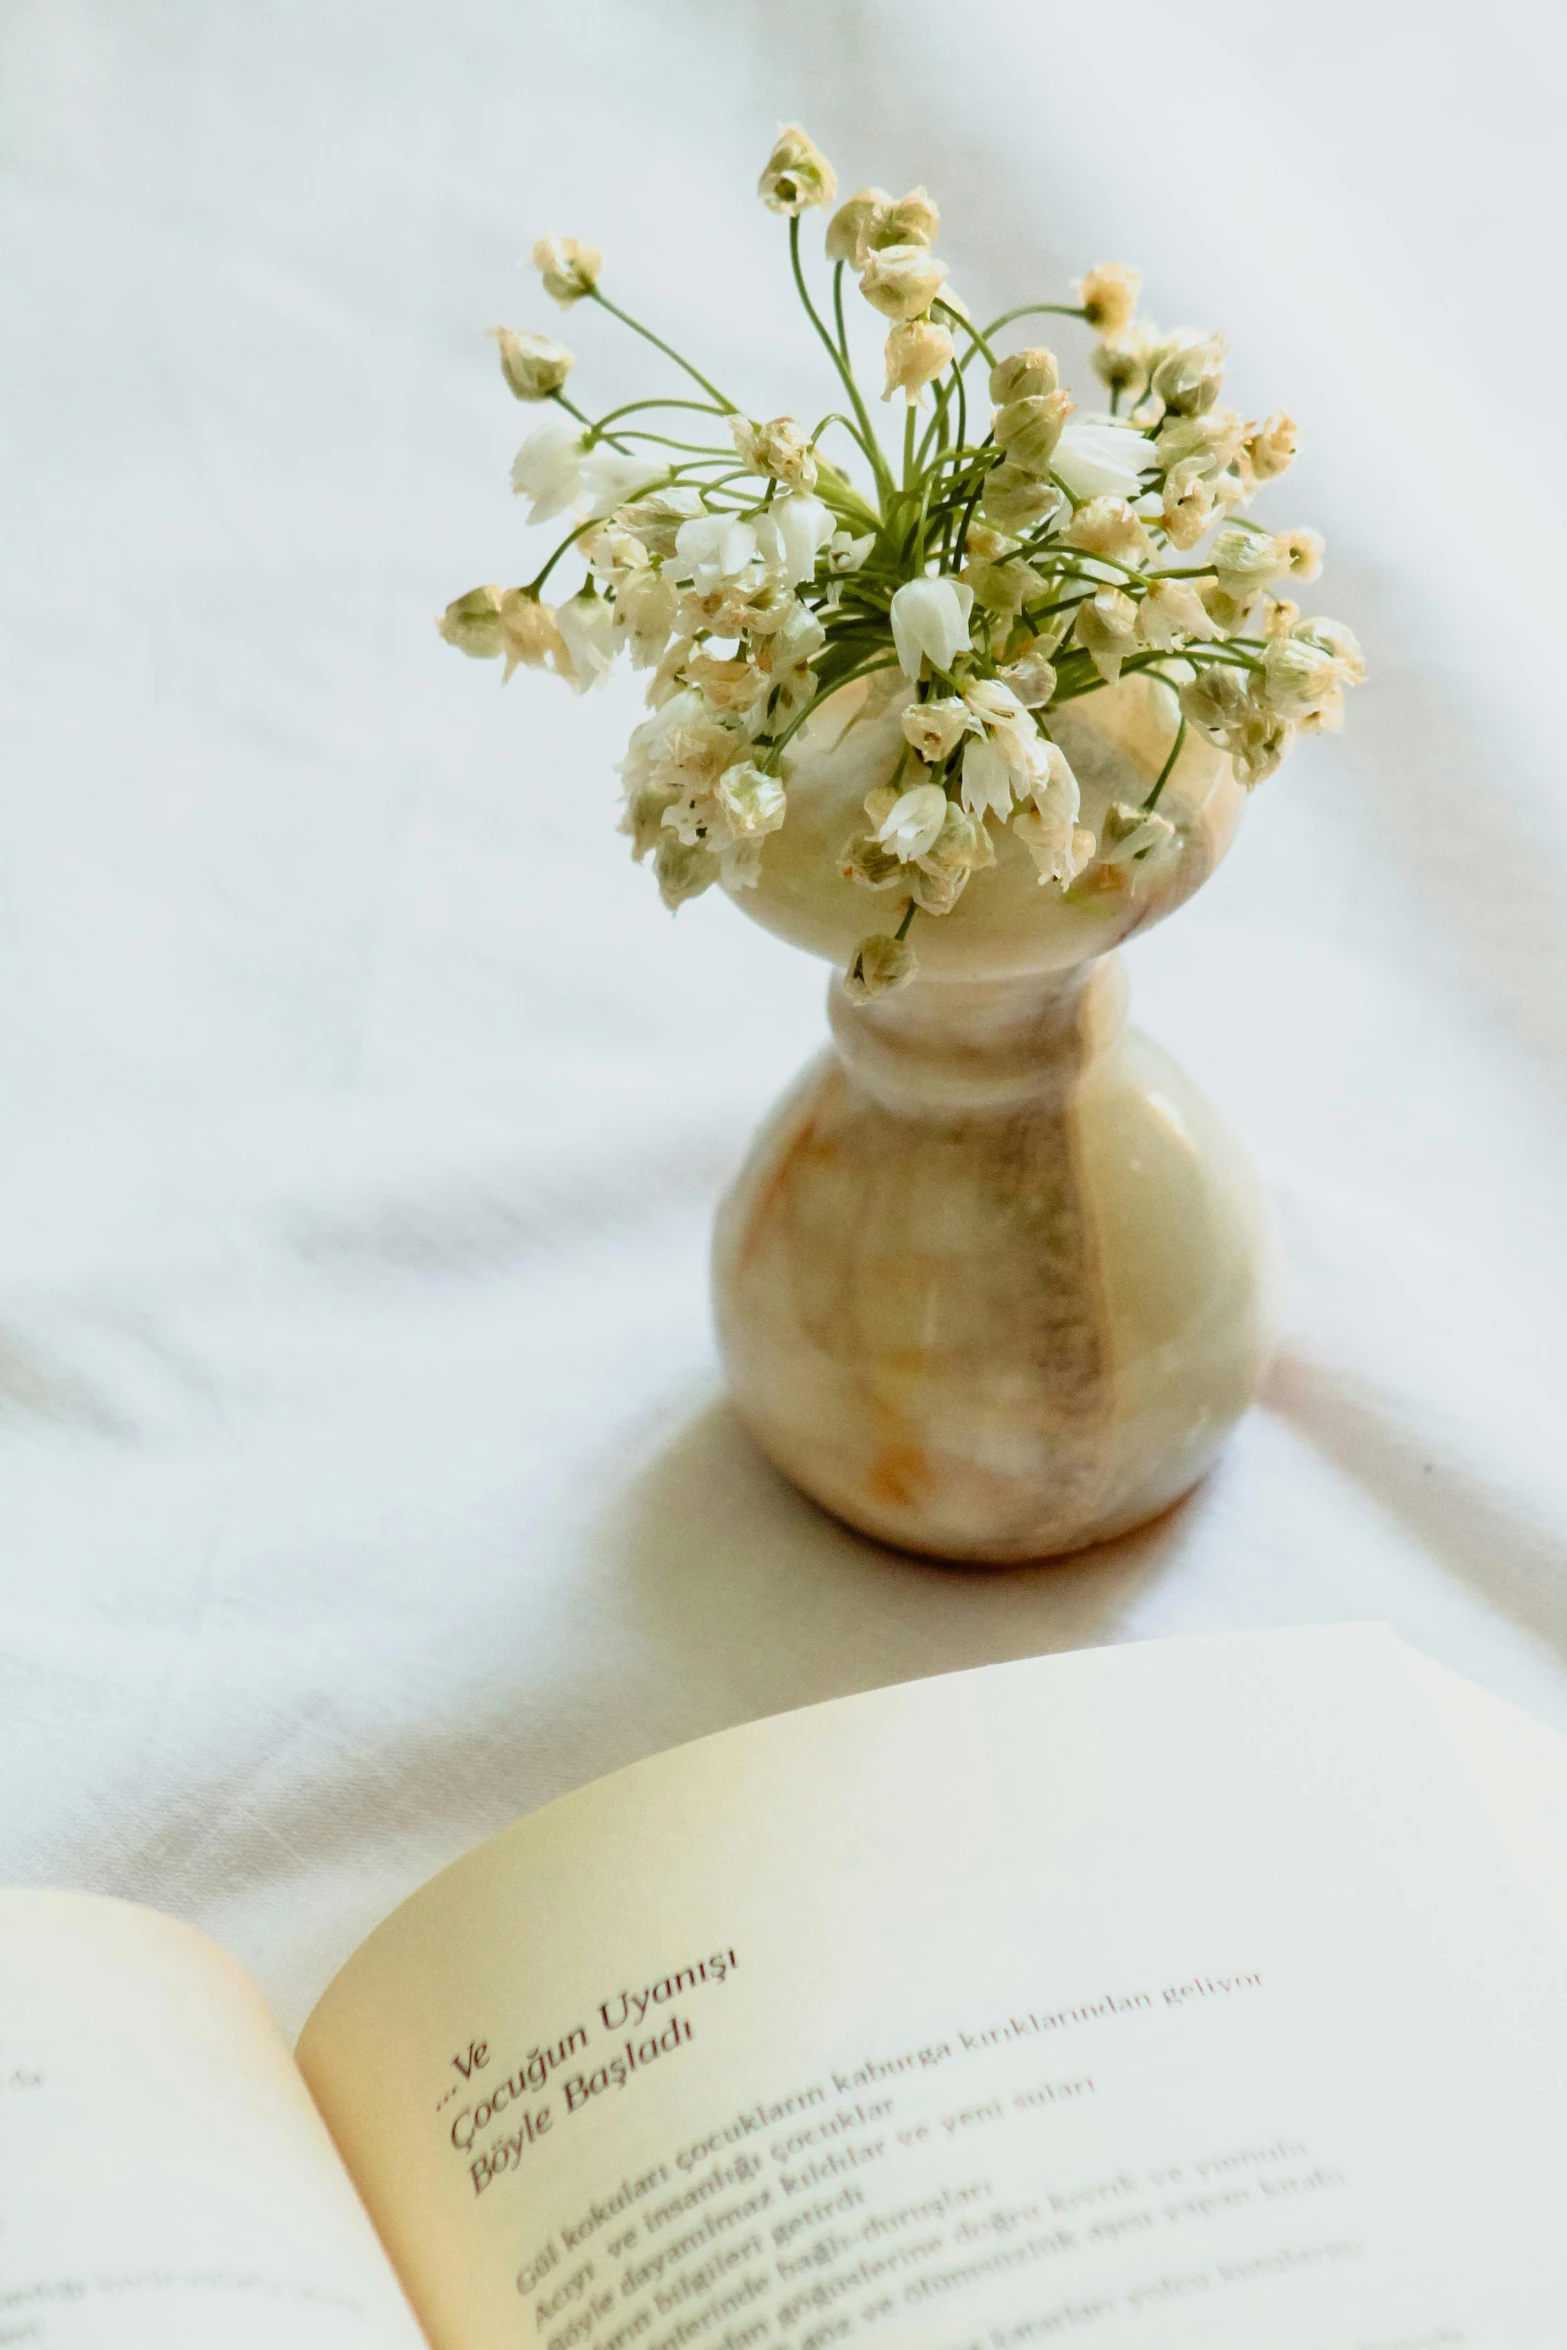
364 1475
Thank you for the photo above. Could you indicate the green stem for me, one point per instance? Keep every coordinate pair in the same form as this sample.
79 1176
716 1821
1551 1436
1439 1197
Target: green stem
570 539
869 443
1168 768
702 407
902 930
968 327
727 407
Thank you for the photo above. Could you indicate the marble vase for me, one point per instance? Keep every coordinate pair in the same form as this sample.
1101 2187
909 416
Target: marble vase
994 1280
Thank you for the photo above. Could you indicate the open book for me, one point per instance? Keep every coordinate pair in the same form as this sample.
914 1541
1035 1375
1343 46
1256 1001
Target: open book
1201 1995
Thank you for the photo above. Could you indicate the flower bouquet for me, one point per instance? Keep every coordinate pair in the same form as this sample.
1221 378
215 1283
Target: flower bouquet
1002 680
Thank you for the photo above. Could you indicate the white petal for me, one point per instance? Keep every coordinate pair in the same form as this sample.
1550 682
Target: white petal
1102 460
986 783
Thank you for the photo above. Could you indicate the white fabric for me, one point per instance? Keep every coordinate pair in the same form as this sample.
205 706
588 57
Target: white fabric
364 1475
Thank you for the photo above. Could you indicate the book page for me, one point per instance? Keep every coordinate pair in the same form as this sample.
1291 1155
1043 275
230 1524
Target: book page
1174 1997
165 2182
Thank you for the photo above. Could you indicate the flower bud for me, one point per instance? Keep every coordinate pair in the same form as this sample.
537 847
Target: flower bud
473 623
1027 375
1017 500
1272 446
1107 631
917 351
1187 380
878 965
533 365
1122 361
797 174
644 615
846 224
570 269
1108 295
902 281
1028 429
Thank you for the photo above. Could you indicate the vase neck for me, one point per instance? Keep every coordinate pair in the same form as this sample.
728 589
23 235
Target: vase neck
964 1048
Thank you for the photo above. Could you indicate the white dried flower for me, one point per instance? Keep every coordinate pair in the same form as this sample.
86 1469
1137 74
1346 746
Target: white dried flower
570 268
1027 430
473 623
1187 503
1301 677
1108 295
1338 640
530 634
930 621
865 862
791 535
1245 559
910 220
935 728
846 553
644 615
917 351
1131 835
987 779
878 965
752 801
1107 631
587 624
715 548
1303 551
684 869
533 365
733 686
1102 460
1107 526
779 450
1124 361
902 281
1272 446
1026 375
1003 587
1187 379
1049 830
1171 614
1032 678
843 230
609 477
548 468
913 821
1015 499
614 552
797 174
1209 442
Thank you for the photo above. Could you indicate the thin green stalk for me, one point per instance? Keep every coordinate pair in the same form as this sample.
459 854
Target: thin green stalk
969 328
870 443
727 407
630 408
1168 769
570 539
909 912
908 447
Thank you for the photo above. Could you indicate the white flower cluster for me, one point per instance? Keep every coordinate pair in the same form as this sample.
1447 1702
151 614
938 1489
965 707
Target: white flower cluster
1020 556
